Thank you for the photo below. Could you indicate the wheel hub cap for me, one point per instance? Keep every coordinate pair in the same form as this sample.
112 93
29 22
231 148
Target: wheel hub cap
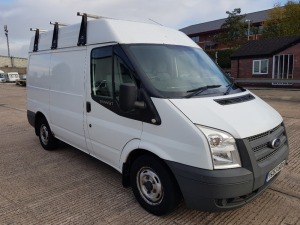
44 134
150 186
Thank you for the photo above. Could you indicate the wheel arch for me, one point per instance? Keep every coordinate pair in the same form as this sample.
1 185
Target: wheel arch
132 156
38 116
130 152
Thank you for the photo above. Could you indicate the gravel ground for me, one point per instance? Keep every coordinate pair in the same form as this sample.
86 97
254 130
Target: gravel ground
67 186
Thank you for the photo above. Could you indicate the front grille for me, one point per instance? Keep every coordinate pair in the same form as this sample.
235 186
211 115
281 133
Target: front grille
261 143
258 136
260 147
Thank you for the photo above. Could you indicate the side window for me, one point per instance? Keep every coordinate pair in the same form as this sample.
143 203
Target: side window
101 72
122 74
109 71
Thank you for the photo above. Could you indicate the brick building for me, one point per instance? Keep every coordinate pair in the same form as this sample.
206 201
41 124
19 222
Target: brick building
272 58
203 33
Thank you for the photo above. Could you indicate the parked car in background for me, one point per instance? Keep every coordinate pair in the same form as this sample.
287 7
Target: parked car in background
22 80
2 78
12 76
22 76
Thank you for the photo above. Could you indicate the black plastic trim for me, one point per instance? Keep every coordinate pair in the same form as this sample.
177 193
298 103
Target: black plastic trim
235 100
31 118
55 36
36 40
202 188
88 107
262 168
83 31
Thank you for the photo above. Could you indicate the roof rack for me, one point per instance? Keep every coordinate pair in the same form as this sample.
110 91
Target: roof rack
55 33
82 38
83 27
36 38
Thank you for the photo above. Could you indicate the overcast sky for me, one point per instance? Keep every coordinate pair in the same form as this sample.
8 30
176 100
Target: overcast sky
20 15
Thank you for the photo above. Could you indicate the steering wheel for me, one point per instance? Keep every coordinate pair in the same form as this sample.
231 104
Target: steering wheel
101 88
101 84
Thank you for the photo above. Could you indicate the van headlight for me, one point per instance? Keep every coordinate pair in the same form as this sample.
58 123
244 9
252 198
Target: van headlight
223 148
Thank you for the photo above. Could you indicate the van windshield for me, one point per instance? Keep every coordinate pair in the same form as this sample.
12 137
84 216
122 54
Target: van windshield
176 71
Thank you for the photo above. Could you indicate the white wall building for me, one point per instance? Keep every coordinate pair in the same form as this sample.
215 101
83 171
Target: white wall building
17 62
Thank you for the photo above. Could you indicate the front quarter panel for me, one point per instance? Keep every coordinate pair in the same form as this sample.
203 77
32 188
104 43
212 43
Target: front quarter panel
177 139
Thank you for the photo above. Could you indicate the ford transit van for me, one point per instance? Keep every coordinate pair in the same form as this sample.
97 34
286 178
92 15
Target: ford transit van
148 101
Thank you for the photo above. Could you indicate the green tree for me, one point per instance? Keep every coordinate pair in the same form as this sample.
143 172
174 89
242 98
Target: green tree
283 20
223 57
234 29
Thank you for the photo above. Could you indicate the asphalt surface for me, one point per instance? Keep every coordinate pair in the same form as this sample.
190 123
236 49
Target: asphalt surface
67 186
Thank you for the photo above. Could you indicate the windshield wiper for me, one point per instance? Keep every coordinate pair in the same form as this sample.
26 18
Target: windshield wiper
229 88
200 89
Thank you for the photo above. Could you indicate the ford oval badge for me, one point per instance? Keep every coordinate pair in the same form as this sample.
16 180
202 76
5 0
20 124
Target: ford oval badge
275 143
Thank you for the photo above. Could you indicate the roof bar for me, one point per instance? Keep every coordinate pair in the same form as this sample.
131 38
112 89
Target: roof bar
83 27
36 38
89 15
55 34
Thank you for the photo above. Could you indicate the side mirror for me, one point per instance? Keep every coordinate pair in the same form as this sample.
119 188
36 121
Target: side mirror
128 97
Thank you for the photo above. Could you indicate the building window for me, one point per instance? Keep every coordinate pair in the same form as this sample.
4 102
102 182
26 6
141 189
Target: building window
283 66
260 66
196 39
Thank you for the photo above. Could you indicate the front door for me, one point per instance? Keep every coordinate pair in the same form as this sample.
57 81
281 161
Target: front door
283 66
108 128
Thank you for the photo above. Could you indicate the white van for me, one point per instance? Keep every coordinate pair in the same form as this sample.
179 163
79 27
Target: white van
146 100
12 76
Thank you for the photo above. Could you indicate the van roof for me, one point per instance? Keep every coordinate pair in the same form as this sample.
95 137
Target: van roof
111 30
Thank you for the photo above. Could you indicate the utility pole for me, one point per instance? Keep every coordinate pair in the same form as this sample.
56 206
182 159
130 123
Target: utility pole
6 34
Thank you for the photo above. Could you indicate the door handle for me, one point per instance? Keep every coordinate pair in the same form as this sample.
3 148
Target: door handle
88 107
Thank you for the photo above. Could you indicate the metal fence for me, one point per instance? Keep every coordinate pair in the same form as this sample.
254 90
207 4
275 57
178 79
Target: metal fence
268 81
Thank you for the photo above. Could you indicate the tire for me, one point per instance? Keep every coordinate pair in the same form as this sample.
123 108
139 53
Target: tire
154 186
47 140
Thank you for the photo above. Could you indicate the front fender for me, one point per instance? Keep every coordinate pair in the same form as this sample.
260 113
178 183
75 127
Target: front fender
128 148
135 144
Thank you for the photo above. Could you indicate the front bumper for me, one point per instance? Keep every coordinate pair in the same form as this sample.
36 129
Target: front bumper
211 191
220 190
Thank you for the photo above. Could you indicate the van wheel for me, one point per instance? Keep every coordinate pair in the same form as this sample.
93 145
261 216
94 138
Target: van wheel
154 186
47 140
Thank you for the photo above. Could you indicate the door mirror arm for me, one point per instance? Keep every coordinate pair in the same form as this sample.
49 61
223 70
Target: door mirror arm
140 105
